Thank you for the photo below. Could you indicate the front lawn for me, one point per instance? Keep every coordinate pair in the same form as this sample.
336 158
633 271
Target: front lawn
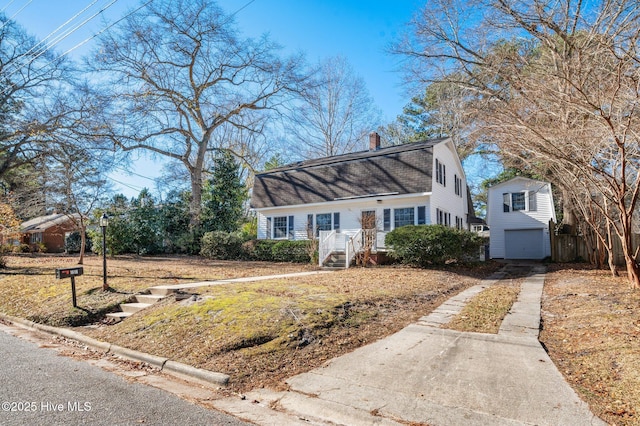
263 332
592 333
259 333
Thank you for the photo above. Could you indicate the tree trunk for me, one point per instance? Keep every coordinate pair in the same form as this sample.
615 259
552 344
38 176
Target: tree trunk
633 271
568 213
195 205
83 243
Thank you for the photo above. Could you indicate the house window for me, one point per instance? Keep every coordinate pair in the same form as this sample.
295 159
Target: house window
533 201
323 222
506 203
309 226
459 223
458 185
36 238
518 201
280 227
402 217
441 173
443 218
422 215
336 221
290 229
386 220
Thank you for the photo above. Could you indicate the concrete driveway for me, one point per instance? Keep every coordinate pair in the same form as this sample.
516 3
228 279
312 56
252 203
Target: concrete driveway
428 375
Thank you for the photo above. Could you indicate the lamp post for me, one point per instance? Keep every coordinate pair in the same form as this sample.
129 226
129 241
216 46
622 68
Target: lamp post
104 222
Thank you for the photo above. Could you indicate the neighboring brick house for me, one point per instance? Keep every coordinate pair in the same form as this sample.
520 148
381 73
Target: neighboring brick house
333 198
51 230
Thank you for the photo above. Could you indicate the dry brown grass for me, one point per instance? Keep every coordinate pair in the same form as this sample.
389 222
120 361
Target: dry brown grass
592 333
259 333
263 332
485 312
29 289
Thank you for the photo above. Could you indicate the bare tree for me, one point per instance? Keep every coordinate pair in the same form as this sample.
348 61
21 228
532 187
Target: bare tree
175 72
555 86
335 115
77 183
33 82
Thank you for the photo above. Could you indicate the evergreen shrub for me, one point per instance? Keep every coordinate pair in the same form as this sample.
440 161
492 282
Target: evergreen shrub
221 245
425 245
277 251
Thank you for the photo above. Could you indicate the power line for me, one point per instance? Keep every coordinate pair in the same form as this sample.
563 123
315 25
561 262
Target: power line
134 173
5 8
15 14
104 29
59 38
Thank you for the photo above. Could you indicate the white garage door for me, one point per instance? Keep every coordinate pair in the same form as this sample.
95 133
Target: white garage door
524 244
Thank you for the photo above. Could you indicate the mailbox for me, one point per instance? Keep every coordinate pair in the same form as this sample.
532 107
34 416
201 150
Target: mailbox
69 272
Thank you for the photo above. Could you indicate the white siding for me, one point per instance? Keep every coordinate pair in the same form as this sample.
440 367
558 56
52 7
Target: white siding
500 221
441 197
444 197
350 212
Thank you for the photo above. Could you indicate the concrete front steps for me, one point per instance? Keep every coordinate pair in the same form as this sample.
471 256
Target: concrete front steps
141 301
337 259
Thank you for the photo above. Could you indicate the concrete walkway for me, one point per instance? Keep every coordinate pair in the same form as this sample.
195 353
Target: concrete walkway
428 375
189 286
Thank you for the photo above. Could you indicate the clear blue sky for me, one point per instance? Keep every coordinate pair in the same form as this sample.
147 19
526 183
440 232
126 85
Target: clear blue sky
360 30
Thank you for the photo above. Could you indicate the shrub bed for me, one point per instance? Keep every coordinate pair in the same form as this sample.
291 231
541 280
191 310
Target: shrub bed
221 245
230 246
425 245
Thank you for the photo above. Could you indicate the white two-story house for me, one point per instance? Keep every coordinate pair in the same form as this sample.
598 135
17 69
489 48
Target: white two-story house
518 214
335 198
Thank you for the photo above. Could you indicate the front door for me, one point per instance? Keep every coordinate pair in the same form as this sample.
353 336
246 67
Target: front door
369 234
368 220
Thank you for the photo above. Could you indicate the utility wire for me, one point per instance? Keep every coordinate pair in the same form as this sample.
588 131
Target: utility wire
19 67
15 14
59 38
8 4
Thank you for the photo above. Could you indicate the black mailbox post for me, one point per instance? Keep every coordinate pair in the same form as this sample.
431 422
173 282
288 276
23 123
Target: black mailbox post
70 273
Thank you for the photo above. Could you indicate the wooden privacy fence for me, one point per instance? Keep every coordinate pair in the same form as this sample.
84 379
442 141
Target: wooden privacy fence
568 248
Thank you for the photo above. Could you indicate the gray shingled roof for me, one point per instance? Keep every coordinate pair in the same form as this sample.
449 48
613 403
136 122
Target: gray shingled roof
400 169
42 223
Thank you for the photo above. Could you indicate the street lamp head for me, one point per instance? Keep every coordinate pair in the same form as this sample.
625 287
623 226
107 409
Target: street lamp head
104 220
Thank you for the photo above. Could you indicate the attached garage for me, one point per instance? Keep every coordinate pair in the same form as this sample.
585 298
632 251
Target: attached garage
524 243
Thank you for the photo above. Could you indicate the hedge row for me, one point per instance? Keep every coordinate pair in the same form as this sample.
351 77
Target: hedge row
425 245
231 246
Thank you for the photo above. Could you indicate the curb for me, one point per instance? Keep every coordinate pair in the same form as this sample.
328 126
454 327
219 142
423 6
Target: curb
177 368
164 364
134 355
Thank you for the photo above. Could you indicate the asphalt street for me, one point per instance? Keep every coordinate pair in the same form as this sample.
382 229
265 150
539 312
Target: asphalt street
38 386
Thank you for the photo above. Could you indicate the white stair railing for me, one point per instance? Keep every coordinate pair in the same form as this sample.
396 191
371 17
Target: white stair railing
354 245
326 245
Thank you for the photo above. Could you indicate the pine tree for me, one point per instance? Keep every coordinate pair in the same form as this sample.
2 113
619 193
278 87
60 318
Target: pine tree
224 196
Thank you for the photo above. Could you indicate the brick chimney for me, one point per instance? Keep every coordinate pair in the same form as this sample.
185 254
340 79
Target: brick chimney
374 141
